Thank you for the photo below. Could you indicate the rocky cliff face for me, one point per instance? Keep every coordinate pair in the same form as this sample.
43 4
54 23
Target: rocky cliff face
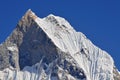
50 49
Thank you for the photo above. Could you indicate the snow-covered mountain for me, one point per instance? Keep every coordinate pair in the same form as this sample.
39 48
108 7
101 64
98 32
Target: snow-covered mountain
50 49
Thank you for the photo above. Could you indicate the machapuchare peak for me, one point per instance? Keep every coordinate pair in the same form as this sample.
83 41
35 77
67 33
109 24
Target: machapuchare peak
30 14
51 49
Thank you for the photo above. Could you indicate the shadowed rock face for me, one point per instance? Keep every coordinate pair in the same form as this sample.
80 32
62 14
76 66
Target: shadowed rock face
34 46
4 57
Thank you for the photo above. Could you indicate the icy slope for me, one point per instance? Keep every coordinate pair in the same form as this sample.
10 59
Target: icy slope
50 49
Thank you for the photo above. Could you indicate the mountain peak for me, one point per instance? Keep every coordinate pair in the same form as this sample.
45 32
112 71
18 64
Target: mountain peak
29 10
30 14
28 18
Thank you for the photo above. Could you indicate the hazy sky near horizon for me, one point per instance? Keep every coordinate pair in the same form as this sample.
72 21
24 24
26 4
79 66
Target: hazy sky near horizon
99 20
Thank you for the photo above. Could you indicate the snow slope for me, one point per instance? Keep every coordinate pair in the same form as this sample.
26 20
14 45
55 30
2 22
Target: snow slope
50 49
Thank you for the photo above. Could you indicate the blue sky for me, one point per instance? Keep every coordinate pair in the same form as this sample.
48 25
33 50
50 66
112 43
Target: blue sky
99 20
